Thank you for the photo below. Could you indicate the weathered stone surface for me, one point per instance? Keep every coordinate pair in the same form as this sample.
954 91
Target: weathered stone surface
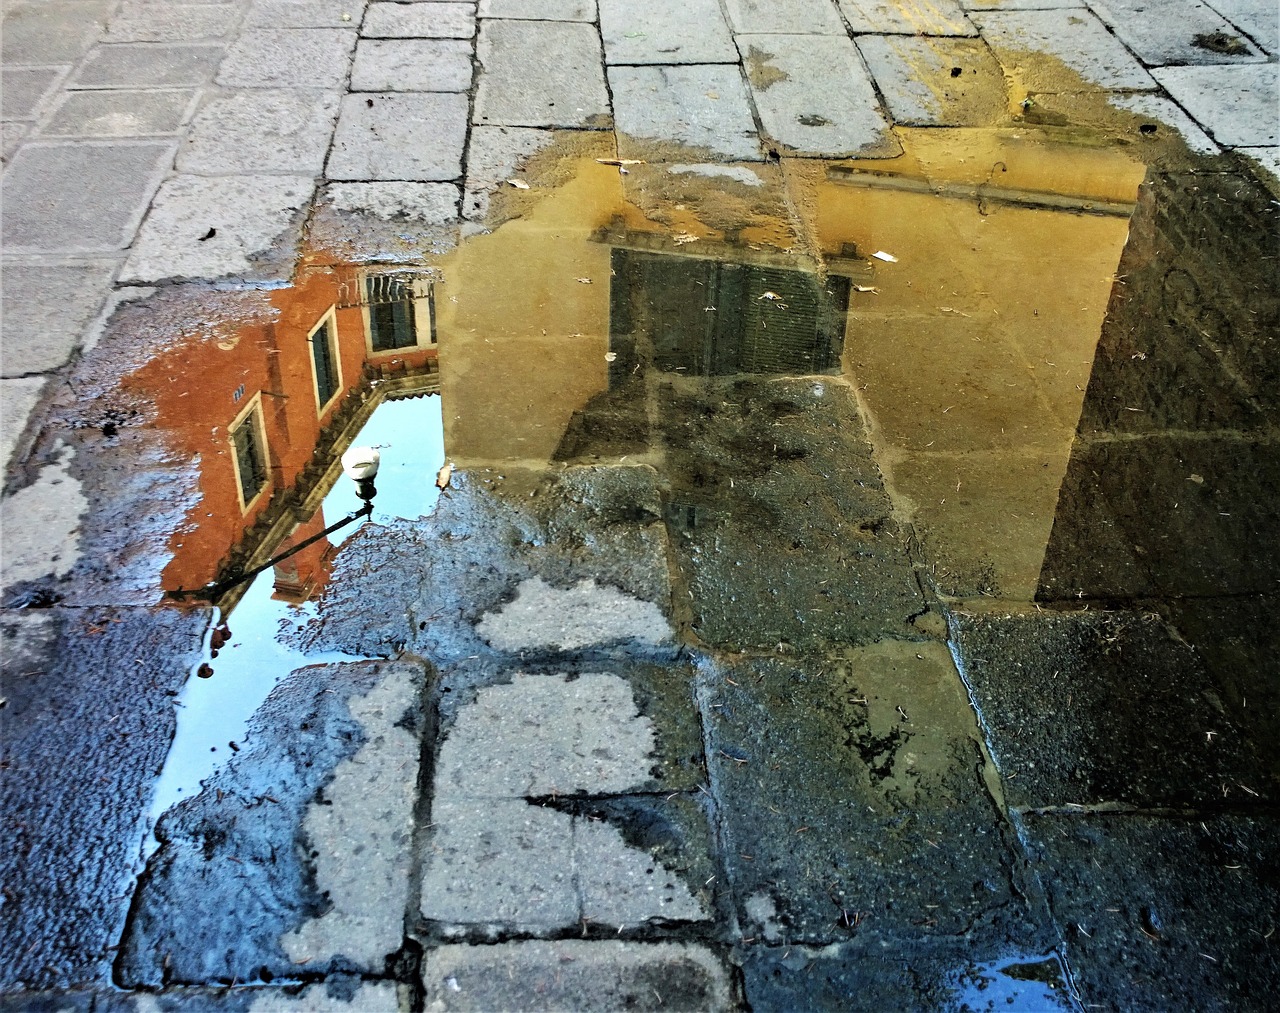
42 523
1236 105
1161 110
493 155
920 84
24 89
665 32
79 197
547 618
119 113
288 57
814 95
419 21
914 17
762 17
260 130
18 399
1163 913
1074 39
305 14
1260 18
87 721
852 798
12 134
214 227
1091 707
540 10
50 33
294 856
1175 31
1267 158
520 87
576 974
704 108
392 65
399 137
148 65
431 203
137 21
46 311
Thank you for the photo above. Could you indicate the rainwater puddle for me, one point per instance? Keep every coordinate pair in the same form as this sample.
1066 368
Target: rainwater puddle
1027 984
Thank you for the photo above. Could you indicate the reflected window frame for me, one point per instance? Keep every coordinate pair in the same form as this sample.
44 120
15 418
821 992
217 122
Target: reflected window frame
327 326
251 420
419 312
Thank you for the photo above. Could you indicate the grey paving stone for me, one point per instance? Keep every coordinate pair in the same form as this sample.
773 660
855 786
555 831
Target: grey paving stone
784 17
1236 105
493 155
1268 158
79 196
1260 18
292 57
48 33
1164 111
1163 913
391 65
171 22
910 17
540 10
521 87
537 976
1175 31
921 86
46 311
665 32
305 14
18 399
216 227
432 203
148 65
260 130
399 137
24 89
12 134
1076 38
119 113
814 95
1019 5
419 21
706 108
542 616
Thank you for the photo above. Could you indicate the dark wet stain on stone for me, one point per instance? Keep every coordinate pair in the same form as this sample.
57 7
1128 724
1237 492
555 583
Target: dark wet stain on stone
1222 43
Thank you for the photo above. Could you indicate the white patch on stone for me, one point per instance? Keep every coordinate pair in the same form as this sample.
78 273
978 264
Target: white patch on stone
762 910
380 996
622 885
364 837
544 616
41 524
736 172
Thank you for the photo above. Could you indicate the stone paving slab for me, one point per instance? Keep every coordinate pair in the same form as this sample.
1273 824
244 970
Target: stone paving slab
1236 105
260 130
53 32
1161 32
430 203
23 90
148 65
47 309
305 14
1163 913
1086 708
914 17
1076 38
86 196
920 84
1260 18
814 96
18 399
216 227
784 17
11 136
540 10
701 107
519 88
419 21
120 113
81 748
171 22
576 974
665 32
493 155
289 57
412 65
409 137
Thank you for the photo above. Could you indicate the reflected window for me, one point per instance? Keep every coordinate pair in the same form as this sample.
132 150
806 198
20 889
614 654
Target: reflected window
398 311
249 443
324 360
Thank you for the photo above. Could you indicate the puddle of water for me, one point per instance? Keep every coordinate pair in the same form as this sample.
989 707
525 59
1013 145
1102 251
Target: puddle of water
1029 984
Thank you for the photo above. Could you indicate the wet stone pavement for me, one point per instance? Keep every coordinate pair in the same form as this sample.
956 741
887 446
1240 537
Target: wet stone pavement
824 549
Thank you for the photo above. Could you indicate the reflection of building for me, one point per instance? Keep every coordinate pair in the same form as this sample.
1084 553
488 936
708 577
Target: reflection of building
268 414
